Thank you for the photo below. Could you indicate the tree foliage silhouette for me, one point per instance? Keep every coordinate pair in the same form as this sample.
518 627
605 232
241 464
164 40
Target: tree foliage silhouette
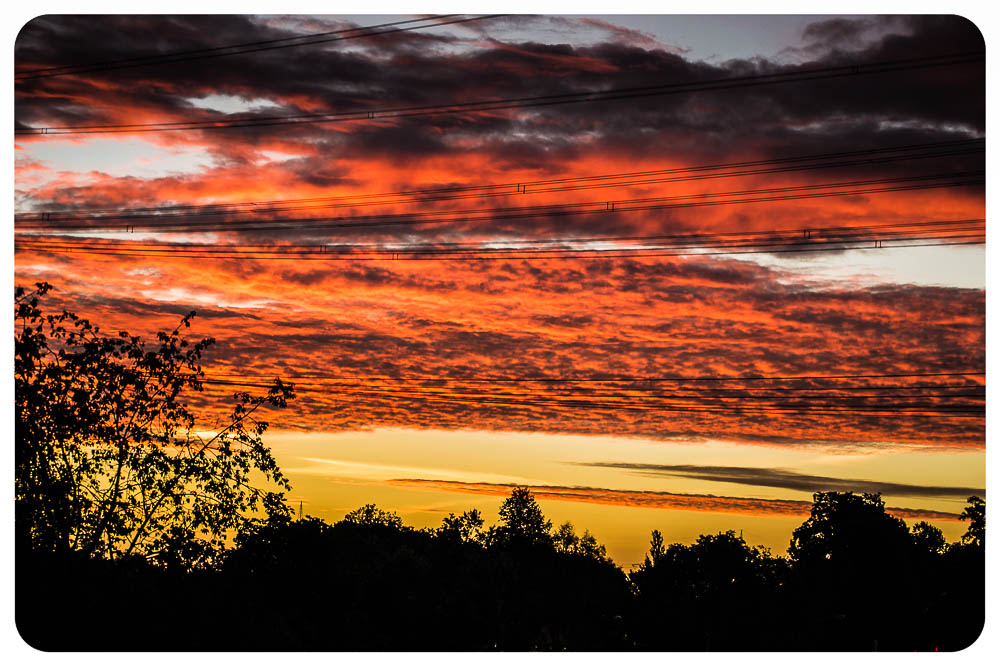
369 582
467 527
975 514
927 538
107 458
370 515
704 596
849 557
656 549
566 540
522 520
846 529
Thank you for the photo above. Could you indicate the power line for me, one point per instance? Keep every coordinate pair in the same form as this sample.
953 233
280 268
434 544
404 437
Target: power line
838 400
900 235
543 400
600 402
842 393
248 47
958 239
629 378
818 232
724 83
608 255
630 384
521 189
978 239
839 234
746 168
958 179
751 404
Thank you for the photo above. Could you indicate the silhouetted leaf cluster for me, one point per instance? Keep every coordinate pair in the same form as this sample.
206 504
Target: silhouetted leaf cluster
108 460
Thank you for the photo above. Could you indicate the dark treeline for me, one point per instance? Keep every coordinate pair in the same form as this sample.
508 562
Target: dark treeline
855 578
135 530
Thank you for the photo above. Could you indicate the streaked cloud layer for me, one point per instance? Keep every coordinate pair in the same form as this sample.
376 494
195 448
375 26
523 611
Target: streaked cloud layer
657 499
678 318
789 479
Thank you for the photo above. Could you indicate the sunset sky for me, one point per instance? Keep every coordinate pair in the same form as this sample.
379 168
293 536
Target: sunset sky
669 272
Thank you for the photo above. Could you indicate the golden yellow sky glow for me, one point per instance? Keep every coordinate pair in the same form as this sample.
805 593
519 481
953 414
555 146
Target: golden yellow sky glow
333 473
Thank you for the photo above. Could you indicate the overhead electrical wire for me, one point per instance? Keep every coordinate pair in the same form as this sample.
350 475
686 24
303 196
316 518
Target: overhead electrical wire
601 402
897 235
249 47
722 83
680 388
869 157
611 206
834 395
61 219
603 255
696 400
724 398
815 231
893 232
602 378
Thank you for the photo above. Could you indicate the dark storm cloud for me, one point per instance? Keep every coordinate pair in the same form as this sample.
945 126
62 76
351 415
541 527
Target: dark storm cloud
837 33
858 112
389 73
788 479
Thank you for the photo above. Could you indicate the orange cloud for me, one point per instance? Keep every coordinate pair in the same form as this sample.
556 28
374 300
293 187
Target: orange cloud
643 318
476 320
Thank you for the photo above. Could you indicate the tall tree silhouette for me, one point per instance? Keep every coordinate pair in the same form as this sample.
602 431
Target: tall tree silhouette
928 539
370 515
716 594
107 459
522 520
975 514
851 557
467 527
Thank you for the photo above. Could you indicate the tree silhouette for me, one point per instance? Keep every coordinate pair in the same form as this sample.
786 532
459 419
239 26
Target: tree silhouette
958 606
368 582
975 514
850 557
107 459
713 594
656 549
370 515
927 538
565 538
522 520
467 527
844 527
